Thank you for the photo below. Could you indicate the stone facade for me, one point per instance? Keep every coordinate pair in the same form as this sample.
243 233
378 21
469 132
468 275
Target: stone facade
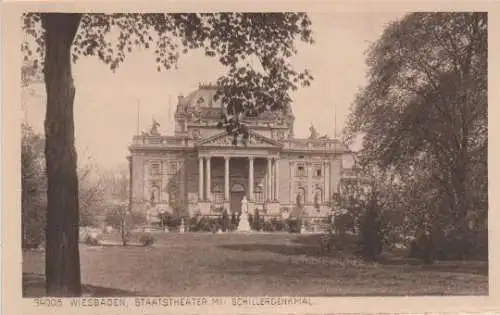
198 170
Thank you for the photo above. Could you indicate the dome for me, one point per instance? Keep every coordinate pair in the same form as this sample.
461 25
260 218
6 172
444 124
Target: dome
202 97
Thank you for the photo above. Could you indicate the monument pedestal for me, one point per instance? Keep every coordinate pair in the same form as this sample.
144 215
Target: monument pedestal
244 225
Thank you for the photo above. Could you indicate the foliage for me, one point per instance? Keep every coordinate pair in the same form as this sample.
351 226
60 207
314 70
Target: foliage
147 240
171 221
33 188
257 223
91 241
119 217
205 224
235 39
423 117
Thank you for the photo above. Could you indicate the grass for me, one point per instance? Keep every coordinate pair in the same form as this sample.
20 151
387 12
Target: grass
254 265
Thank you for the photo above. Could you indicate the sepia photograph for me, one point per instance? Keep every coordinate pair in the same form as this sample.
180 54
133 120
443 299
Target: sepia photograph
270 157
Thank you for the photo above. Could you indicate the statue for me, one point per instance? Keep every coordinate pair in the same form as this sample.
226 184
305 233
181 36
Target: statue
244 225
314 133
244 205
317 199
182 227
154 128
154 195
300 198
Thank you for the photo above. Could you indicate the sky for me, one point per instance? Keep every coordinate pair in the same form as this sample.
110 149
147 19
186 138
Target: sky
107 104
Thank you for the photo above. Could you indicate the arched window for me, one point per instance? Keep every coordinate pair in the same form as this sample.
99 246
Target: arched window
238 188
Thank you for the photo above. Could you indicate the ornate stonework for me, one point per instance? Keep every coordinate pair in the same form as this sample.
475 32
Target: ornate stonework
225 139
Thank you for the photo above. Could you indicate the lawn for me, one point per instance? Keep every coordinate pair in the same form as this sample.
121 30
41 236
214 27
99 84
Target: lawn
254 265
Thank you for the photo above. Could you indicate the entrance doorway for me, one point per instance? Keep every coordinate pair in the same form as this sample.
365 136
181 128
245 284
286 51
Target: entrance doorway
237 193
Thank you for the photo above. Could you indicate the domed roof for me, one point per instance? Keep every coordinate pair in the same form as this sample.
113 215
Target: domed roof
202 97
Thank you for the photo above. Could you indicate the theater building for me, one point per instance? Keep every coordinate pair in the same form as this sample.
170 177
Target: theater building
197 169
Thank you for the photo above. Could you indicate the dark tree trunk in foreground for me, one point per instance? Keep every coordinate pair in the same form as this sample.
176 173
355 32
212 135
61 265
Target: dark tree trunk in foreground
62 260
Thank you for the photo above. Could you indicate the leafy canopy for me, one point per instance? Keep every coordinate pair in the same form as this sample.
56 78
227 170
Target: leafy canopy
233 38
427 90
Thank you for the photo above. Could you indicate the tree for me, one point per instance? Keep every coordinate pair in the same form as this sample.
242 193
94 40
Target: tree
61 38
91 195
33 187
426 102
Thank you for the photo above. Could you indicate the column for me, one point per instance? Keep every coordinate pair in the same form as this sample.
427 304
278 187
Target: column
250 178
269 197
327 195
276 179
226 178
310 193
200 178
209 180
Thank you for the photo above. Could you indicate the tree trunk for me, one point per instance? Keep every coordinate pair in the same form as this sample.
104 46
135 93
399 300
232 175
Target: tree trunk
62 260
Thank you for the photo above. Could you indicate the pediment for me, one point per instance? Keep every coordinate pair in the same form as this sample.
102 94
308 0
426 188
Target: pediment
224 139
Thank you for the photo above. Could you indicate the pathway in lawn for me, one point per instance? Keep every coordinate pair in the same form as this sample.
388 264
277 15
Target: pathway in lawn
258 264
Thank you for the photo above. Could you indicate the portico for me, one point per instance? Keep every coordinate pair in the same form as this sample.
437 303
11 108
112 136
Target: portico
242 173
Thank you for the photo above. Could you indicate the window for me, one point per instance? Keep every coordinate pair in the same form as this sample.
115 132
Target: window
317 172
301 171
154 169
172 168
259 194
218 193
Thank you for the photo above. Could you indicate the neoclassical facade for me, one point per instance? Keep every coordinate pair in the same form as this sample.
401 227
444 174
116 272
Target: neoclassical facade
199 170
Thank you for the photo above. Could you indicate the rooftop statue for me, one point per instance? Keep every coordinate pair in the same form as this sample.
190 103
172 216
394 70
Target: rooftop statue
314 133
154 128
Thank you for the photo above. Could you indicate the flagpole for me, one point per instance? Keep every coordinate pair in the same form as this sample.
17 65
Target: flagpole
169 111
138 117
335 121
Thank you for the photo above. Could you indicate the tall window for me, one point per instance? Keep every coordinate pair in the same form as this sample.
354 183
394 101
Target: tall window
301 171
259 194
154 169
171 168
317 171
218 193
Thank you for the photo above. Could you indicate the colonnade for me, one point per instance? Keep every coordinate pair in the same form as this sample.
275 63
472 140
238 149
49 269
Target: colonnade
205 178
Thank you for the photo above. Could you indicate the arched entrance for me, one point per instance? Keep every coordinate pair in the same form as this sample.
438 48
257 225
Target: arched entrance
237 192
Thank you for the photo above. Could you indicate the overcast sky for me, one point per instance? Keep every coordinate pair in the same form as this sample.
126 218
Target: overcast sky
106 102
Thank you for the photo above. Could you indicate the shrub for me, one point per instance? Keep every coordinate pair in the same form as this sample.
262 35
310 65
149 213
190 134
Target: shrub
91 240
294 225
205 224
147 240
370 234
277 224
